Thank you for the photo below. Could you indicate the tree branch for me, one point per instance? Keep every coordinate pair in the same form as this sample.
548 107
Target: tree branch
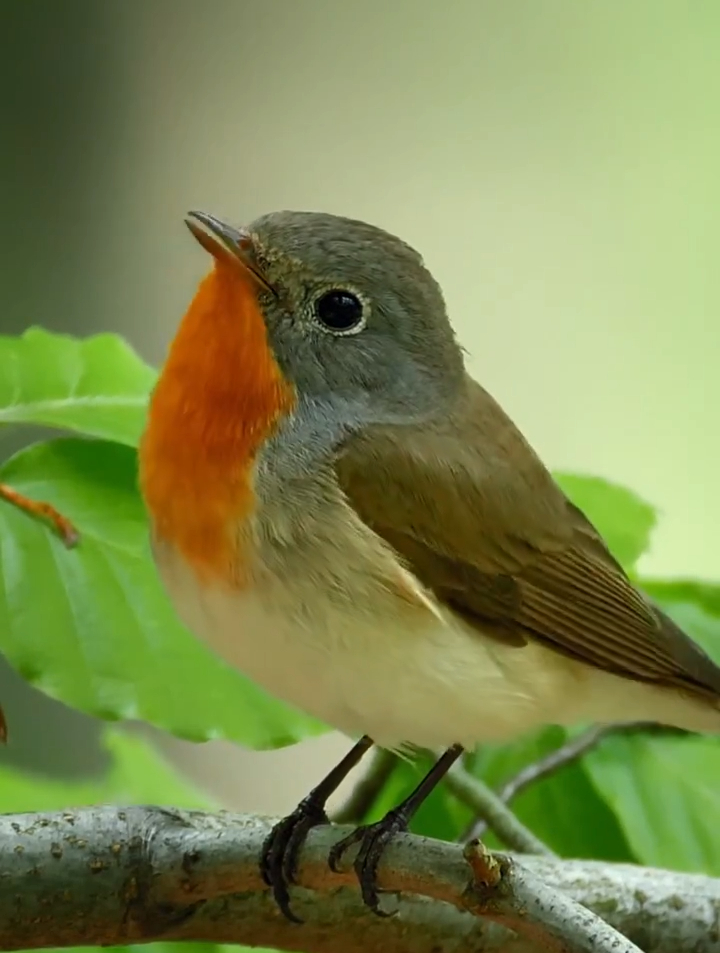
115 876
487 805
575 748
556 760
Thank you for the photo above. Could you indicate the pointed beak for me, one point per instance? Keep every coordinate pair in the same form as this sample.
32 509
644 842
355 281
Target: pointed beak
225 242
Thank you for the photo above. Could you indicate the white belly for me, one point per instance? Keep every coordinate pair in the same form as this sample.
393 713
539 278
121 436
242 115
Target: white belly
431 685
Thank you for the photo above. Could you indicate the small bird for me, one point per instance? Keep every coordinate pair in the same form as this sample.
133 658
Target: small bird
340 512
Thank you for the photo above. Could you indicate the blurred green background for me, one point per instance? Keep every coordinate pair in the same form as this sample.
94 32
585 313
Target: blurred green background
555 161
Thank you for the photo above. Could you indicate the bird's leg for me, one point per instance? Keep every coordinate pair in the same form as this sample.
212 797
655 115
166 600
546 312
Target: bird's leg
44 511
281 849
374 838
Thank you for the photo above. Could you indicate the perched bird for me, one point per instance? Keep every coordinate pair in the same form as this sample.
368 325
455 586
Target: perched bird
343 514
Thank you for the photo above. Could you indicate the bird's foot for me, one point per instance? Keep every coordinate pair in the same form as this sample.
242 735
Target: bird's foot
278 863
373 839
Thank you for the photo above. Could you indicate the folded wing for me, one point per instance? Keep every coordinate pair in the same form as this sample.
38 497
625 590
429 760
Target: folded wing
478 519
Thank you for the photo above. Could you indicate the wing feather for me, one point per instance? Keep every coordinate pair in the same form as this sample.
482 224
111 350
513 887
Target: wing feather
479 521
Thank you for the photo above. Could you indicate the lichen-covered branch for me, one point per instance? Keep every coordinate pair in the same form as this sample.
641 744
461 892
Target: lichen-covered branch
112 876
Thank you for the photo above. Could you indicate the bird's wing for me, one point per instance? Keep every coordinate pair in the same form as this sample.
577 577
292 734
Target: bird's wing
479 520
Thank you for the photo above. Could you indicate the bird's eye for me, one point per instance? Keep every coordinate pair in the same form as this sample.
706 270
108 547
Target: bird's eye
341 312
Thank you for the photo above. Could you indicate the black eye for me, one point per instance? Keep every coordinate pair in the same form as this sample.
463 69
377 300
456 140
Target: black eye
340 311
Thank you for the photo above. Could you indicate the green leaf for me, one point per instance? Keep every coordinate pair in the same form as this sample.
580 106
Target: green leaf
137 775
564 810
694 606
624 520
140 775
665 794
92 626
97 386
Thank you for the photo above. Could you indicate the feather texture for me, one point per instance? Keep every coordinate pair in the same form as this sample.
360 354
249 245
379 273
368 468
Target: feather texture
481 523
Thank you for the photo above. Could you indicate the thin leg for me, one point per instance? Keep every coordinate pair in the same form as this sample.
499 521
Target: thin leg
281 849
44 511
374 838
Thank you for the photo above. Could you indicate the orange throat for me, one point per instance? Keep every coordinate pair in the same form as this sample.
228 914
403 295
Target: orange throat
219 397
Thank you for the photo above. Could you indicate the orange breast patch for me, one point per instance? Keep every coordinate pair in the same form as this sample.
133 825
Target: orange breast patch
220 395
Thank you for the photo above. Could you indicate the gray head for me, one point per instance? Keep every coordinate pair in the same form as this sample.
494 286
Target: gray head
354 319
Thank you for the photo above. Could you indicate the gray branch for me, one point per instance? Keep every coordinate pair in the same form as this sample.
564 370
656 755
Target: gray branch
115 876
486 804
573 750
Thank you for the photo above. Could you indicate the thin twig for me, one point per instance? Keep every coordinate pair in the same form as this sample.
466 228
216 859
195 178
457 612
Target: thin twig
368 788
566 754
485 803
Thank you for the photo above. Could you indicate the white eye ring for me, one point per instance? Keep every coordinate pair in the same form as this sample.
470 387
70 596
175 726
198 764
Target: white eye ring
340 311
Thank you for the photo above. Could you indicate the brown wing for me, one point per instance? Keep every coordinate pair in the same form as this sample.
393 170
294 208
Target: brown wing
480 521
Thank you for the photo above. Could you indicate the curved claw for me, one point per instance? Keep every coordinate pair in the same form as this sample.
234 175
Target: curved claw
278 863
373 839
338 851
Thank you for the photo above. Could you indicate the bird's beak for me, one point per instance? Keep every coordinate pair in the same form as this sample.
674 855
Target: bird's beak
223 242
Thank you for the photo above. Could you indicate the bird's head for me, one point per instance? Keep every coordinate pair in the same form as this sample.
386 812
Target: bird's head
309 327
353 319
